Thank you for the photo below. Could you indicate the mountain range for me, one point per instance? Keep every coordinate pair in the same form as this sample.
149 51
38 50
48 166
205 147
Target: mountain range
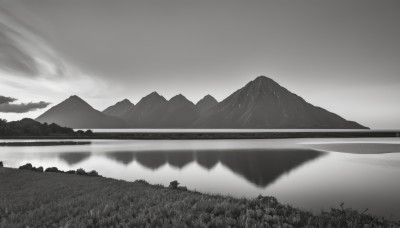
260 104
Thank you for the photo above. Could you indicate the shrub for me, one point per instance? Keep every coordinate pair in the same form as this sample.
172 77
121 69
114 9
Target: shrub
89 133
183 188
70 172
142 181
52 169
93 173
173 184
39 169
1 164
81 171
27 166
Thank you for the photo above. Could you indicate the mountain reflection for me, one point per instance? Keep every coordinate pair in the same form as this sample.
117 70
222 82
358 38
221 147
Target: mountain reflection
260 167
74 157
151 159
207 159
124 157
180 159
263 167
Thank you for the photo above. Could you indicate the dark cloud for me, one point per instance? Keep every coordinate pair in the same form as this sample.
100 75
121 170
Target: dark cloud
6 105
5 100
23 107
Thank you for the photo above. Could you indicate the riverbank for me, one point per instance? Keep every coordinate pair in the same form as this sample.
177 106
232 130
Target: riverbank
217 135
36 199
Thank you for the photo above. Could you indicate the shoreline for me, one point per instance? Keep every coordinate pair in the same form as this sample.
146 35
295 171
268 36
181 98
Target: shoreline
47 143
219 135
32 198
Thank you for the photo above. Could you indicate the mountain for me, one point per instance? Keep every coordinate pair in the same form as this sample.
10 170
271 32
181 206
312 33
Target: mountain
206 103
76 113
263 103
180 113
147 112
119 109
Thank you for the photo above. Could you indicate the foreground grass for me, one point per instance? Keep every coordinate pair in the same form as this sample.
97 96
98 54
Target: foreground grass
35 199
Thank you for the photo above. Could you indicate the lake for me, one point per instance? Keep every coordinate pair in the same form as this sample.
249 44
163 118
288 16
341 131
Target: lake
312 174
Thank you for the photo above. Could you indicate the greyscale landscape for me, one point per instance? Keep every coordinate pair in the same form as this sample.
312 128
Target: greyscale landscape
220 113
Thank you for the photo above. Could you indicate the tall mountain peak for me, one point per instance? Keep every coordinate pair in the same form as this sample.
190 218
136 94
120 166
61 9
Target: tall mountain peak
74 98
263 103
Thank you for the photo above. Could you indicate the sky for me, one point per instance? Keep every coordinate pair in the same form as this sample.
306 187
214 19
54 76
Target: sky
341 55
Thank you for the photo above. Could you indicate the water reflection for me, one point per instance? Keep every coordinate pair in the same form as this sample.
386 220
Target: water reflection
124 157
151 159
290 169
74 157
260 167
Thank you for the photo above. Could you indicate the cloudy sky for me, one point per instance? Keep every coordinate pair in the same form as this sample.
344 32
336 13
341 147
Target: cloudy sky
341 55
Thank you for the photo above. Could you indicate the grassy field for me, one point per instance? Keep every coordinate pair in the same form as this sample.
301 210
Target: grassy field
35 199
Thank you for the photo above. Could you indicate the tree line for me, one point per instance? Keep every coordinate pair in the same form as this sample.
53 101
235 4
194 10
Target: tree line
30 127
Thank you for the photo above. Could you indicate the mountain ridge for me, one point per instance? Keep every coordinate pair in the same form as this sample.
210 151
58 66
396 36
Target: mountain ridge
260 104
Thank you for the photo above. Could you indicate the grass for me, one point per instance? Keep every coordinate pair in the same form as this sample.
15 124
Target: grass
35 199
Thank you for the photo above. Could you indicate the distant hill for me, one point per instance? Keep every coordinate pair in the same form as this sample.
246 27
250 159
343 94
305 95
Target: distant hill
119 109
263 103
206 103
76 113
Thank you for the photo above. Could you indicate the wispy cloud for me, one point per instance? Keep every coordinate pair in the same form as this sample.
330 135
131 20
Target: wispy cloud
7 105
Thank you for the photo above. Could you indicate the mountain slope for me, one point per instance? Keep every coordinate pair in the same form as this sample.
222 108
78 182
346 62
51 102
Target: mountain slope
76 113
180 113
119 109
263 103
147 112
206 103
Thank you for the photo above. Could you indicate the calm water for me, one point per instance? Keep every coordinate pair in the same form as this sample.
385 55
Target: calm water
313 174
138 130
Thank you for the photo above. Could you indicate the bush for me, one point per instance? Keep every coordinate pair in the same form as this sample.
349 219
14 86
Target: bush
81 171
142 182
89 133
173 184
39 169
93 173
27 166
52 170
183 188
70 172
1 164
